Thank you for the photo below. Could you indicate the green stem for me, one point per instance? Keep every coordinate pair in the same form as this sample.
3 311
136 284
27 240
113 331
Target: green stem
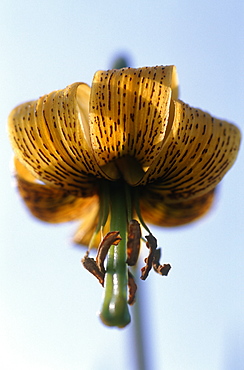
114 310
141 350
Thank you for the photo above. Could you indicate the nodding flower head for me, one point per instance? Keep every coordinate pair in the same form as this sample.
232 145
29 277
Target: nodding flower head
117 156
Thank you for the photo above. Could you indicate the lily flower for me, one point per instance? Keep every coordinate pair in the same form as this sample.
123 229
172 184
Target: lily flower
117 156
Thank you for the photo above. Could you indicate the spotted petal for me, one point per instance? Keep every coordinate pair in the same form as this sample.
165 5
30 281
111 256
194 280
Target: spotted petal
51 137
129 113
196 154
156 211
49 203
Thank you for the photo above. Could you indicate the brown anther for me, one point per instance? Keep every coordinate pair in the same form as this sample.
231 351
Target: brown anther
152 246
153 259
132 287
133 242
111 238
160 269
90 264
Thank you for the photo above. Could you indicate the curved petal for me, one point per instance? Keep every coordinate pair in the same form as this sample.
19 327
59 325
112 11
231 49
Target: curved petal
48 203
51 137
86 230
154 210
129 114
196 154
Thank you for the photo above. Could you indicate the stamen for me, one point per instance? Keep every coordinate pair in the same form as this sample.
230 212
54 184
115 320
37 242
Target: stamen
132 287
160 269
153 259
111 238
91 265
152 246
137 209
133 242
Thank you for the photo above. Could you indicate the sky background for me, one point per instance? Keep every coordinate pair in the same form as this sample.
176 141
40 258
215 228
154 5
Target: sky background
48 302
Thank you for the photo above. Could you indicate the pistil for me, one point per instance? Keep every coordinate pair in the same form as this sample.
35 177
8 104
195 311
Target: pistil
115 310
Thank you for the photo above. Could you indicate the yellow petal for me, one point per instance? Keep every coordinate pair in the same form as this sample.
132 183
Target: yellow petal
129 111
154 210
49 203
86 231
196 154
51 137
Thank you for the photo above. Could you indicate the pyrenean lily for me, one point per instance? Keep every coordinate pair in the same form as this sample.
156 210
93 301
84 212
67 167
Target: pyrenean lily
118 155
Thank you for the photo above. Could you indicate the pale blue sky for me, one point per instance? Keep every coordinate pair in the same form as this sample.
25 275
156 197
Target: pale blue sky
48 302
